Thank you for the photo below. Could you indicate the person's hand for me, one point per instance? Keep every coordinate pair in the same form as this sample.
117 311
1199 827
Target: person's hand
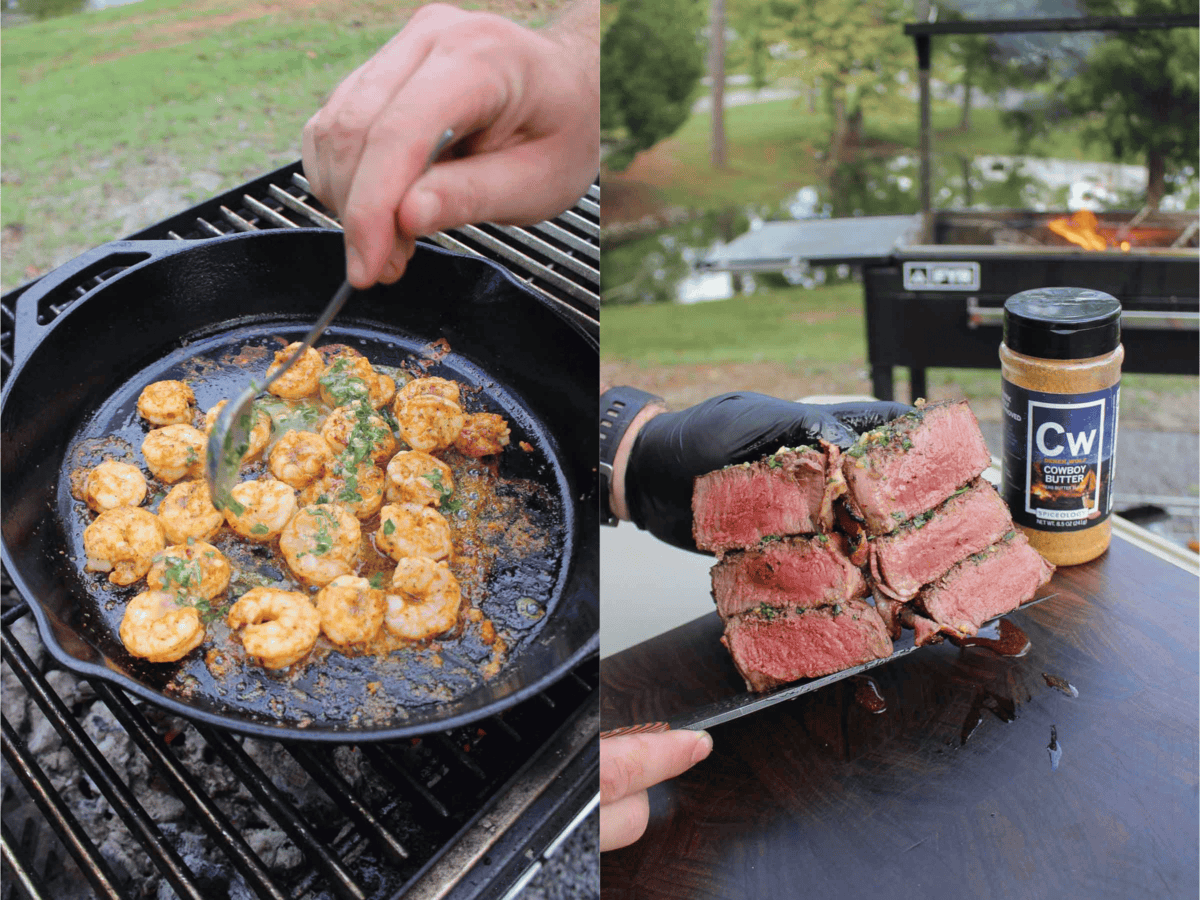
673 448
631 763
523 104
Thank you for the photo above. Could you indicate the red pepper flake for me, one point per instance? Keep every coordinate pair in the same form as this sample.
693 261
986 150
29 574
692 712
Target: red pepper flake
526 446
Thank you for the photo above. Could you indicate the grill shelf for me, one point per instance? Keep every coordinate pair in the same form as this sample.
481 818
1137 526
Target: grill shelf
466 813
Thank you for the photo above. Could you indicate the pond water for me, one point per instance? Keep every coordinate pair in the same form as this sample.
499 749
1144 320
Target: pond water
666 270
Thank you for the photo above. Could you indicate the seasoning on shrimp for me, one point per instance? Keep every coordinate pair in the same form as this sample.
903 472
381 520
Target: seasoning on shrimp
359 490
301 380
193 569
409 529
358 430
112 484
123 542
424 600
277 627
351 610
266 506
416 477
350 378
156 628
187 512
320 543
175 452
298 457
166 403
429 422
483 434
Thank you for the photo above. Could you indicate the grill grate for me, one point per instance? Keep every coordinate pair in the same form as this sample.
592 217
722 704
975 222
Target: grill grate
465 813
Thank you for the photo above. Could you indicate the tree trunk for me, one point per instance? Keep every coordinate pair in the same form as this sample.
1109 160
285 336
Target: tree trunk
1156 181
716 69
964 123
839 130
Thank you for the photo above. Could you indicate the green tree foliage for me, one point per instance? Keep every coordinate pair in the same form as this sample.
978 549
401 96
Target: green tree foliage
1138 93
850 50
651 60
49 9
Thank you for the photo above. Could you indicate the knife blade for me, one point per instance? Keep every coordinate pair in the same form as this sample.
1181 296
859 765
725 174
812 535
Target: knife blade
739 705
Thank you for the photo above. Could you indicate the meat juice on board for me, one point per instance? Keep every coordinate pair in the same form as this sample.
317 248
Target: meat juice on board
1060 368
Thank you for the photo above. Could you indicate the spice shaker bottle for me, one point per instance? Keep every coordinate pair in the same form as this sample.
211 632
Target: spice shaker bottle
1060 371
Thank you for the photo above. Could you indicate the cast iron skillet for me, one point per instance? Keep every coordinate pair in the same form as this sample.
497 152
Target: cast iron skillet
76 378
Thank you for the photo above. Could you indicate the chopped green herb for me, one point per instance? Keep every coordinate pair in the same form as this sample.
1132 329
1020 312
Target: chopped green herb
774 463
377 581
389 526
260 529
192 458
837 609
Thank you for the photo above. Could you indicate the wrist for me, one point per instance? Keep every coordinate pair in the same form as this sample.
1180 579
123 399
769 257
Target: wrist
623 412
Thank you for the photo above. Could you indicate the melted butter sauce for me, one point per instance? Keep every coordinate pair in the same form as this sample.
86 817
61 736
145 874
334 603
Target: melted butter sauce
1001 637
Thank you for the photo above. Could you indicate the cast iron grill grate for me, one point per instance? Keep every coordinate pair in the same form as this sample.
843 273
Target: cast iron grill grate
141 803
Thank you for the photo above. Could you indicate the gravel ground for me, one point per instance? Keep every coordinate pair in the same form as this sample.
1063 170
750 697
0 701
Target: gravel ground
573 872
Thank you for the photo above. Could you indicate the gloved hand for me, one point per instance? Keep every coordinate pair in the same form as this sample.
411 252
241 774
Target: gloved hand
674 447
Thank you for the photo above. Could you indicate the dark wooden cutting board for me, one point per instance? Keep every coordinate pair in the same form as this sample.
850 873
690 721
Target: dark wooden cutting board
954 790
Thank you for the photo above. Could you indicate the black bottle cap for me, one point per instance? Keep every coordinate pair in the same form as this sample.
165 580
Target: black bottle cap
1062 323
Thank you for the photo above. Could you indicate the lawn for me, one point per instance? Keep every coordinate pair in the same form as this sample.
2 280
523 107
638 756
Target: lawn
118 118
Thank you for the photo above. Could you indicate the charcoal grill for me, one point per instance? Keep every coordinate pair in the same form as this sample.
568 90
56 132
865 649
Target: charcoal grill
941 303
474 812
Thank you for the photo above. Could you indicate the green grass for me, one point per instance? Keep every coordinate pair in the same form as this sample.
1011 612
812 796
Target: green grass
771 325
105 111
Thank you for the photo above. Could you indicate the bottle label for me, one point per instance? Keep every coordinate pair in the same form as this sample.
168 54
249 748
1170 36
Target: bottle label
1059 451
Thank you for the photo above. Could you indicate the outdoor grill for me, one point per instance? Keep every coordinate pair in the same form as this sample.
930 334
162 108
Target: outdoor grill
941 303
106 796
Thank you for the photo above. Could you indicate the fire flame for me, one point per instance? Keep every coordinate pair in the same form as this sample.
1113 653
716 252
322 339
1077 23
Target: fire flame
1081 229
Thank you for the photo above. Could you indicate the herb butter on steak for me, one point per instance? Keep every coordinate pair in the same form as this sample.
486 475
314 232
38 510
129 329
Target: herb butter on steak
913 463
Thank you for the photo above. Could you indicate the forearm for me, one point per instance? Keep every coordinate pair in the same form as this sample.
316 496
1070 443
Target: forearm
621 461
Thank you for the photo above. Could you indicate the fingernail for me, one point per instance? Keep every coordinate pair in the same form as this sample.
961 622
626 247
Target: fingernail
703 746
426 206
355 270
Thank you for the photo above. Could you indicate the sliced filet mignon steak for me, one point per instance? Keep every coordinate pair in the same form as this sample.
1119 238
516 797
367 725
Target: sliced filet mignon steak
790 572
985 585
780 646
789 492
925 547
913 463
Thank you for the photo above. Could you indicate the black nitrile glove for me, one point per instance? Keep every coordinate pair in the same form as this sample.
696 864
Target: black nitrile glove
673 448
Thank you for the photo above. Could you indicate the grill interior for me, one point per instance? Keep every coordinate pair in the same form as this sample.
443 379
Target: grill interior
106 796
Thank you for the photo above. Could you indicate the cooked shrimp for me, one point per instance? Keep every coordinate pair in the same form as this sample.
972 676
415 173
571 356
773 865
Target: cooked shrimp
424 601
123 542
197 569
429 422
351 610
156 628
416 477
260 431
278 627
359 491
112 484
187 512
298 457
437 387
175 452
320 543
352 378
301 379
482 435
166 403
267 506
409 529
358 429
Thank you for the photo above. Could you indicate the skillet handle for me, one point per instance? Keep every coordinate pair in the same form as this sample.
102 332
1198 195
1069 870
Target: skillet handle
40 304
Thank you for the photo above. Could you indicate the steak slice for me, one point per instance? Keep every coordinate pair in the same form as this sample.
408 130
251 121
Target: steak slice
789 492
924 548
913 463
790 572
781 646
985 585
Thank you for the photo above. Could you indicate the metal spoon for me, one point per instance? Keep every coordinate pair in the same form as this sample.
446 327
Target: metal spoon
230 436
